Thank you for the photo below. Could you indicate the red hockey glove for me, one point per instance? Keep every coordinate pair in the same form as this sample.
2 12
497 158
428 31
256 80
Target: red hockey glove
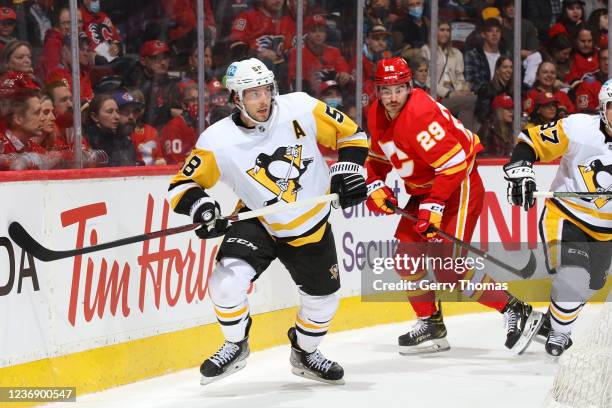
378 193
430 215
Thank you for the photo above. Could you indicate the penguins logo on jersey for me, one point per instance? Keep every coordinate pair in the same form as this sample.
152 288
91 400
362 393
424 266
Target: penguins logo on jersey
598 179
280 172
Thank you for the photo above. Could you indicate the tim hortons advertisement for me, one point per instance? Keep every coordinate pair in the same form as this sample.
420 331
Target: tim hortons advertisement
55 308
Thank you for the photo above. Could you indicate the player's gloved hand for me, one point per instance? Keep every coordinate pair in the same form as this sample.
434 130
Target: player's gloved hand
521 183
208 212
348 182
378 194
429 217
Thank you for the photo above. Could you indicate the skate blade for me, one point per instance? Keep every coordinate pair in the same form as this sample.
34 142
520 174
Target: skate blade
301 372
237 366
427 347
532 325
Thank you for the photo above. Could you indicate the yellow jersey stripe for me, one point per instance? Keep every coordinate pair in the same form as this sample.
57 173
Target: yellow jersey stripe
231 314
311 325
309 239
446 157
297 221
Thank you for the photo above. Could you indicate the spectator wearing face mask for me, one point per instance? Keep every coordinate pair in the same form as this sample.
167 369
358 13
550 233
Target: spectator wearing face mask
331 94
143 136
411 31
103 34
179 136
51 55
8 22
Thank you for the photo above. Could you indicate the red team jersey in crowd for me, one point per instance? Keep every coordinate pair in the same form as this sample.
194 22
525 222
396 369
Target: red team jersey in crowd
563 98
428 147
98 27
146 142
260 31
587 95
581 65
177 140
330 59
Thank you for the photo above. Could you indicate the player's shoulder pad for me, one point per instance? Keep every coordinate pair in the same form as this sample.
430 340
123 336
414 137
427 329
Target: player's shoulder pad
218 135
295 103
578 125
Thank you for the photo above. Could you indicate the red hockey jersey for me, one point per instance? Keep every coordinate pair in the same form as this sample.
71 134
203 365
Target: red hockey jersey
260 31
429 148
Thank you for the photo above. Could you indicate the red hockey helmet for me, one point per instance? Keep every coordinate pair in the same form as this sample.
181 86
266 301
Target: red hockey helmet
392 71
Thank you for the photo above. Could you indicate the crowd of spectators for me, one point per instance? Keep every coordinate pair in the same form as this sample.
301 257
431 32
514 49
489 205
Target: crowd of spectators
138 67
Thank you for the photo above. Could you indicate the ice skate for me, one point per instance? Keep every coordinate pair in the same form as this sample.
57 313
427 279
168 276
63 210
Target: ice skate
522 323
230 358
428 335
313 366
557 343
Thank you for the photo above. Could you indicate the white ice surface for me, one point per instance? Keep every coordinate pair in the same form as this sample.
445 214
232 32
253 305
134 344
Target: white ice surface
477 372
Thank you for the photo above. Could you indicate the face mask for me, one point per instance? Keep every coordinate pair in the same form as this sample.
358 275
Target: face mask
334 102
416 12
94 6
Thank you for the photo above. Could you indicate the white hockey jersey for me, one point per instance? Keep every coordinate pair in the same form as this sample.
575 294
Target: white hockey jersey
586 165
280 162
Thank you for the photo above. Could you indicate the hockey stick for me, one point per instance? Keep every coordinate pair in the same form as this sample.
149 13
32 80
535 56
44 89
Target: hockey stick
22 238
570 194
524 272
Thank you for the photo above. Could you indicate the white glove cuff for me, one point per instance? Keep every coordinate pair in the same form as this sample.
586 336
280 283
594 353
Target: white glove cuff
199 203
345 168
375 185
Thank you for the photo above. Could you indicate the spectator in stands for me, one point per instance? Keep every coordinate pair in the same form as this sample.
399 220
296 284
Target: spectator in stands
51 54
180 134
545 110
480 62
52 140
61 97
378 12
500 84
151 77
101 130
474 39
598 23
219 112
102 33
375 48
192 64
420 72
570 20
63 71
547 82
38 19
543 14
587 100
452 89
529 34
217 95
331 94
182 22
496 134
143 136
411 30
319 60
17 57
558 52
47 136
264 33
584 60
8 22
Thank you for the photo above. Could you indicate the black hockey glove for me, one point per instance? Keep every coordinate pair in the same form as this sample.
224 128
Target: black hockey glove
348 182
521 183
208 212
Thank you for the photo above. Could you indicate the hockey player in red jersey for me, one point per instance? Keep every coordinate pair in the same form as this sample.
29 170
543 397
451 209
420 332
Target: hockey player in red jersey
435 156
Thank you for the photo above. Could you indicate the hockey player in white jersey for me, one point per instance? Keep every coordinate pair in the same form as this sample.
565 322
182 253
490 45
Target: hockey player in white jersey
267 152
576 232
